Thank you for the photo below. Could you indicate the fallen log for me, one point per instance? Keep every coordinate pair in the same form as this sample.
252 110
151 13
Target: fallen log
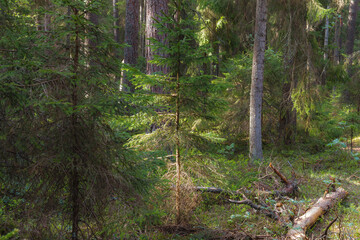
302 223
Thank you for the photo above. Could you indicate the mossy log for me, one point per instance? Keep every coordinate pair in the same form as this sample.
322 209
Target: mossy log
302 223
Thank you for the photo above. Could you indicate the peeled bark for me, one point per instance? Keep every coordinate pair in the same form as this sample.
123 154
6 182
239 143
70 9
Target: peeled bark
257 79
301 224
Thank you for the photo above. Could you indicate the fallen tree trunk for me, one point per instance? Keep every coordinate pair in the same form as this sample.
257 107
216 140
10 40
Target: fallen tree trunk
302 223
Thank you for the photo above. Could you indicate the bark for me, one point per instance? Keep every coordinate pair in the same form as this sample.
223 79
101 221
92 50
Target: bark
337 40
302 223
116 21
326 37
155 9
326 44
142 23
350 39
132 39
287 123
257 79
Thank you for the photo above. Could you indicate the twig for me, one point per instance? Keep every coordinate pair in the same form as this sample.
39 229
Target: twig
324 236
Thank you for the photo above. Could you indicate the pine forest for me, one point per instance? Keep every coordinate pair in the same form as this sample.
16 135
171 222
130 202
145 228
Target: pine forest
179 119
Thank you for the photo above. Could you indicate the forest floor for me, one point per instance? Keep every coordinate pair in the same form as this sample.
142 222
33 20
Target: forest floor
213 217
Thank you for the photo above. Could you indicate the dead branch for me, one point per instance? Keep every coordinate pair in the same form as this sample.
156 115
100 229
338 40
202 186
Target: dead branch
282 177
324 236
263 209
291 187
302 223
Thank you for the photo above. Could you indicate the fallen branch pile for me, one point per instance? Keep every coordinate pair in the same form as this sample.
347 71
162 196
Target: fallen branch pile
300 224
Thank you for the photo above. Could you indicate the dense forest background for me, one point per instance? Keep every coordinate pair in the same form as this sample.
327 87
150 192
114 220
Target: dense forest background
140 119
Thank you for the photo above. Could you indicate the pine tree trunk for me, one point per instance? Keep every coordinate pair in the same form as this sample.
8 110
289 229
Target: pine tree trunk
116 21
326 37
131 38
257 79
350 38
142 23
337 41
287 123
154 9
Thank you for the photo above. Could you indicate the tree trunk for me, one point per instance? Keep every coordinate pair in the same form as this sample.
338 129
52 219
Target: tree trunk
287 123
350 39
257 79
132 39
75 183
116 21
177 128
142 23
326 37
337 41
301 224
154 9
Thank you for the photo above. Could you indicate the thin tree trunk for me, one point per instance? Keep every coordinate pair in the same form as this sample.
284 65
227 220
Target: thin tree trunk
337 41
142 23
75 175
326 37
116 21
257 79
154 9
132 39
177 122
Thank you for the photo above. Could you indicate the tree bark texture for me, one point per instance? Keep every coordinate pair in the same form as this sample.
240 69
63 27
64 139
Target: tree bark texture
142 23
326 37
116 21
155 9
257 79
131 38
287 123
350 39
302 223
337 40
